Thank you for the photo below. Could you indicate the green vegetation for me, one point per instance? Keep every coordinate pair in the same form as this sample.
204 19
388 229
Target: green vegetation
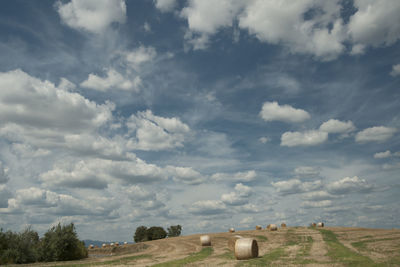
338 252
146 234
59 243
261 238
174 230
120 261
265 260
199 256
363 244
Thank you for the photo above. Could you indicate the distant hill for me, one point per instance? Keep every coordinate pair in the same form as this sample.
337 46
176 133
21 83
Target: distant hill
99 243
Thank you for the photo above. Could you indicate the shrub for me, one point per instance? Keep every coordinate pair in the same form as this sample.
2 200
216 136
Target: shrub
61 243
140 234
174 230
156 232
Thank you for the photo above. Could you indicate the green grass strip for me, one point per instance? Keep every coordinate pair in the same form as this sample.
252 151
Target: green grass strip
261 238
120 261
198 256
265 260
363 244
340 253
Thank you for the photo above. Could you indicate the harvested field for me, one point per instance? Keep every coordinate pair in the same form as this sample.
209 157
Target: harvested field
290 246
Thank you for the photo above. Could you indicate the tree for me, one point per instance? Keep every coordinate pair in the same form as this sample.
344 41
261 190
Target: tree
156 232
174 230
140 234
61 243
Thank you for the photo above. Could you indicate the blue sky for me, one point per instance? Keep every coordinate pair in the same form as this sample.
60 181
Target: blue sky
209 114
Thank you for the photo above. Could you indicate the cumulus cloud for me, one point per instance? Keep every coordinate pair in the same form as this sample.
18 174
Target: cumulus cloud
5 194
97 173
348 185
92 15
395 70
336 126
375 134
317 196
306 172
295 186
382 155
112 80
139 56
34 196
235 177
156 133
316 204
272 111
208 207
375 23
238 197
185 175
165 5
264 139
308 138
38 113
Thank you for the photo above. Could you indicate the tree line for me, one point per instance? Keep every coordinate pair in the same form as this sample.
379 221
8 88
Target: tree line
59 243
143 233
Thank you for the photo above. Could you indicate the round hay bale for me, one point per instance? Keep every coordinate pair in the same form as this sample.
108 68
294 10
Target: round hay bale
258 227
313 224
205 240
232 241
283 225
116 244
320 224
91 246
246 248
231 230
273 227
125 243
268 226
104 245
112 244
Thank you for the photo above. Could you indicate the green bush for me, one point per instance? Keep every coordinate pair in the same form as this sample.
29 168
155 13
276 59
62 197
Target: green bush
19 247
174 230
140 234
156 232
61 243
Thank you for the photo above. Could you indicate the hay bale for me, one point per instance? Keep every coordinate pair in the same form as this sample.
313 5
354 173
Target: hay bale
125 243
104 245
232 241
320 224
258 227
205 240
283 225
116 244
112 244
91 246
313 224
273 227
231 230
246 248
268 226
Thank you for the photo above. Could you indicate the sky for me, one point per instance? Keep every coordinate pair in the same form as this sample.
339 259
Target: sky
208 114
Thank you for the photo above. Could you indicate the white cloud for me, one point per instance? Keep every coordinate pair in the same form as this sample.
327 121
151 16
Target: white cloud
336 126
308 138
316 204
34 196
284 22
238 197
97 173
235 177
165 5
3 174
382 155
348 185
272 111
264 139
186 175
395 70
208 207
92 15
112 80
139 56
375 134
28 151
156 133
137 193
391 166
295 186
375 23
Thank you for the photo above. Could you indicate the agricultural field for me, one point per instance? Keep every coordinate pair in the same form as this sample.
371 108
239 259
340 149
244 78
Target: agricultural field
291 246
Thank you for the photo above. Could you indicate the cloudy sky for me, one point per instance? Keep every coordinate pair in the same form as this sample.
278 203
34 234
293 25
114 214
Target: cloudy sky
209 114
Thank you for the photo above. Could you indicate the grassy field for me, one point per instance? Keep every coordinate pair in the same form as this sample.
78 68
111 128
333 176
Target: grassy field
293 246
